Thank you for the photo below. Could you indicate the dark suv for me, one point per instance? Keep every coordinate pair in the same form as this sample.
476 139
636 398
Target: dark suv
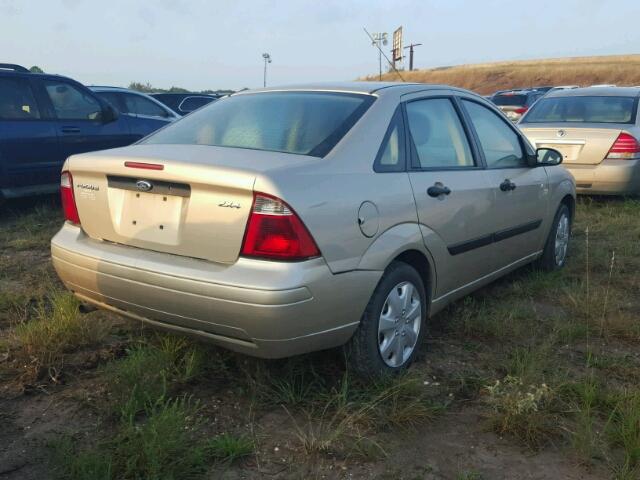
46 118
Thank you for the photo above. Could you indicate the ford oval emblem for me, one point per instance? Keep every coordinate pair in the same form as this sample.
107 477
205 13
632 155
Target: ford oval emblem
143 185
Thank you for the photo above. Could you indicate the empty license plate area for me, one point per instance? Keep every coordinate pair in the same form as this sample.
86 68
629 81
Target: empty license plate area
148 210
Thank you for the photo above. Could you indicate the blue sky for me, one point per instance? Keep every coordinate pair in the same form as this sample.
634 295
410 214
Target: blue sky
202 44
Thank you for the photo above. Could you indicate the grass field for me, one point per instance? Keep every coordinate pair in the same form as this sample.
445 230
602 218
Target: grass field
535 376
486 78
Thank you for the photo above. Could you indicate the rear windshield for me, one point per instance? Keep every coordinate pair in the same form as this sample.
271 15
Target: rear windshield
509 100
583 109
306 123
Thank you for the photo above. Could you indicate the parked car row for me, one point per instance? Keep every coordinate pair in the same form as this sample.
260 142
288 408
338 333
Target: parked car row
46 118
287 220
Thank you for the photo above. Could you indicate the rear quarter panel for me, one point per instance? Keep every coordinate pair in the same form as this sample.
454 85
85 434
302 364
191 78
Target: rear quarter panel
561 185
327 193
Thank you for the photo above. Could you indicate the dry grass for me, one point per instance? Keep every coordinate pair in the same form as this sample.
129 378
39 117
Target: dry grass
488 77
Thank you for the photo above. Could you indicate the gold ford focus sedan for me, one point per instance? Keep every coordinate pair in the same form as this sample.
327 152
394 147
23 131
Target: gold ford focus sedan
282 221
597 130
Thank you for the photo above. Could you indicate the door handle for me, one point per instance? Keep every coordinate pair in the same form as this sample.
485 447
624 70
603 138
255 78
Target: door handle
437 190
507 185
70 130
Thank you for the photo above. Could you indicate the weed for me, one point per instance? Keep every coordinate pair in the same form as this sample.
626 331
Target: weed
623 428
148 371
523 410
74 464
163 446
469 475
40 344
229 448
352 412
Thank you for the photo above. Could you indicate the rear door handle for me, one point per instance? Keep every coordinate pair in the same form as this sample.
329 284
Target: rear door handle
70 130
437 190
507 185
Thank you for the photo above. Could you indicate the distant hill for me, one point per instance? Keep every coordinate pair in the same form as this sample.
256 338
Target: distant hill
486 78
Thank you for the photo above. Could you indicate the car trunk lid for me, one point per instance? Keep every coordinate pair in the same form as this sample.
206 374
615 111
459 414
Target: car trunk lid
190 201
578 145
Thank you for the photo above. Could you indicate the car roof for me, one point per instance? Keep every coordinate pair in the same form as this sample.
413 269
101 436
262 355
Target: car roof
103 88
186 94
596 92
361 87
519 91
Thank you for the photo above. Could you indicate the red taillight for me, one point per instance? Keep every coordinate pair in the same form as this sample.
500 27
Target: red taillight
625 147
68 200
275 232
521 110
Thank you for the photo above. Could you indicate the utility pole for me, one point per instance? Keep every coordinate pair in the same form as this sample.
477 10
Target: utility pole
379 39
410 47
267 59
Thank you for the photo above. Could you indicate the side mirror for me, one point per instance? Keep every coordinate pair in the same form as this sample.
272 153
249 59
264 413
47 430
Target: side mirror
548 157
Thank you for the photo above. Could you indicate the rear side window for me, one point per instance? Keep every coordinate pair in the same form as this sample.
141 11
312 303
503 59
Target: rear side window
509 100
139 105
16 100
306 123
113 98
190 104
437 134
71 103
583 109
391 155
500 144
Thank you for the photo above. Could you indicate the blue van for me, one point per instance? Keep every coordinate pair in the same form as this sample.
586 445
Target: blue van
46 118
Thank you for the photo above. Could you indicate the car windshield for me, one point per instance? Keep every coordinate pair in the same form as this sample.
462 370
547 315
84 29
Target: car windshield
509 100
306 123
583 110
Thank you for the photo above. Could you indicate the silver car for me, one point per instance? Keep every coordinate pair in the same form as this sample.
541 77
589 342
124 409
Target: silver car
287 220
597 130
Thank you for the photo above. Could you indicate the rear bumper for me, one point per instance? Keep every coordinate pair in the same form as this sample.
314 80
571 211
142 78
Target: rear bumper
261 308
610 177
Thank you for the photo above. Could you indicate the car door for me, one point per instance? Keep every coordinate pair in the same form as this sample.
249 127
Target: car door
29 153
147 116
79 123
453 197
521 191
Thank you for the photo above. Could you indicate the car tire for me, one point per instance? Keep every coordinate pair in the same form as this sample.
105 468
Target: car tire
554 255
381 346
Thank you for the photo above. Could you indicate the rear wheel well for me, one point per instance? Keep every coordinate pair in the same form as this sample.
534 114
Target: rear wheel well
570 202
418 260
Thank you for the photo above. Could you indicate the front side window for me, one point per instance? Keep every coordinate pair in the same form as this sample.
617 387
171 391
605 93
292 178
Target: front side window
71 103
499 143
437 134
583 110
16 100
305 123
